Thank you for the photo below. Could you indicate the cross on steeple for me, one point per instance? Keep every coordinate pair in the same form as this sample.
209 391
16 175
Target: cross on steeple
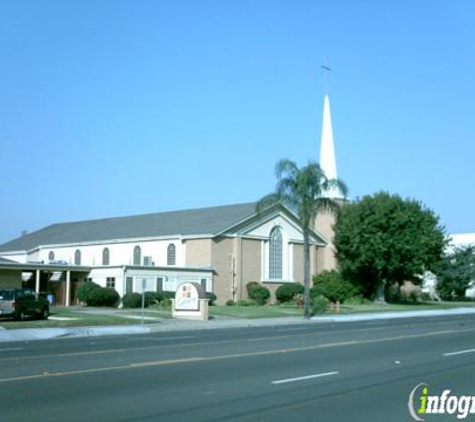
326 70
327 146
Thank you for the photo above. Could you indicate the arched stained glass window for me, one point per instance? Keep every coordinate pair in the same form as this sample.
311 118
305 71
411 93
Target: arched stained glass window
51 256
171 254
105 256
137 255
275 254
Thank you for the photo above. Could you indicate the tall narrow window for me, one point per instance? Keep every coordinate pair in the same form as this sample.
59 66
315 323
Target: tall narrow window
137 255
51 256
275 254
171 254
105 256
77 257
129 284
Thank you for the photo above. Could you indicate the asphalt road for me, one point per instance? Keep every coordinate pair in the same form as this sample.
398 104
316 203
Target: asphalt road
308 372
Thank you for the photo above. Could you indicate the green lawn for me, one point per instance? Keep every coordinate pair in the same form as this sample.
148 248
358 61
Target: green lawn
267 311
379 307
83 317
272 311
78 319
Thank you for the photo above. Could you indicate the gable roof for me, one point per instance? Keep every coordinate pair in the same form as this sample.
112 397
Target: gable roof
200 221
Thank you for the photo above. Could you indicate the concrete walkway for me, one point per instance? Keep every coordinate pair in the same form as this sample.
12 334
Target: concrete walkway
170 325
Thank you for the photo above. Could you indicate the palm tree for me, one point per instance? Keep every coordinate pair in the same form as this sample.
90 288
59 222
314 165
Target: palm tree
302 190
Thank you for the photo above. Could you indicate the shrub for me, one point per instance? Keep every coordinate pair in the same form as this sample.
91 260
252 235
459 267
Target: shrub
315 291
167 294
357 300
103 296
212 298
246 303
426 297
230 303
392 293
166 303
152 298
319 305
333 286
288 292
258 292
85 290
410 292
251 284
132 300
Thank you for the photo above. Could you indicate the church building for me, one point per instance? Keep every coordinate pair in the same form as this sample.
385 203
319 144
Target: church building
222 248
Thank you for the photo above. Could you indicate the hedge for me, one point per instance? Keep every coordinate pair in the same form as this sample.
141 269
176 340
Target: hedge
103 296
258 292
288 292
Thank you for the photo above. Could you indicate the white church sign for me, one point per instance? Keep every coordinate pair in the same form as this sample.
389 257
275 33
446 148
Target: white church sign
190 302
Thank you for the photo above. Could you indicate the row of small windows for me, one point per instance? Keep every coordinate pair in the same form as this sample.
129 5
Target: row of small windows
137 258
129 284
171 255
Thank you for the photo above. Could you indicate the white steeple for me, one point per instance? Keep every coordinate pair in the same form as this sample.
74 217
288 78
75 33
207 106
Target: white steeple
327 149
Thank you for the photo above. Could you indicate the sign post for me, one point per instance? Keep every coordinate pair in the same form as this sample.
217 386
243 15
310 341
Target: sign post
143 300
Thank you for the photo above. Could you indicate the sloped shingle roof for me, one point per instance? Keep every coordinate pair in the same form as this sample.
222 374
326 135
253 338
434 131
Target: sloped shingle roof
199 221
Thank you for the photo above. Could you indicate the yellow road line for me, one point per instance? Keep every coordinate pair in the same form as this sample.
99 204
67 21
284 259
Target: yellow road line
229 356
166 346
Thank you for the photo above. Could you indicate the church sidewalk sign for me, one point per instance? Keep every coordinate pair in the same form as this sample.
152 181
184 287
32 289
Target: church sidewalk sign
190 302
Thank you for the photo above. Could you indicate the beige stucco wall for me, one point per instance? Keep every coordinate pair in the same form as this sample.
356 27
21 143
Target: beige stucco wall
224 281
326 259
315 267
10 278
326 255
219 253
298 263
198 252
251 264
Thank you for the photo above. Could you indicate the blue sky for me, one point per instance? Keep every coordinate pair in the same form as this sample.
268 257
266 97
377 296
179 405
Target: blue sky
112 108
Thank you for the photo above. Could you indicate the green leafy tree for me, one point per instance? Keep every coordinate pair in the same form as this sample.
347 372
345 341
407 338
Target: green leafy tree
333 286
456 273
384 239
303 190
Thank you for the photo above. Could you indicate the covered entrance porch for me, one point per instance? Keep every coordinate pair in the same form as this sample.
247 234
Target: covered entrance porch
59 283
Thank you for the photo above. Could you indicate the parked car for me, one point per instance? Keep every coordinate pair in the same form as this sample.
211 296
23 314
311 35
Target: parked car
20 303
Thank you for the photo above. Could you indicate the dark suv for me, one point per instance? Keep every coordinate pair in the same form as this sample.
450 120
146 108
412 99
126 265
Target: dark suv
20 303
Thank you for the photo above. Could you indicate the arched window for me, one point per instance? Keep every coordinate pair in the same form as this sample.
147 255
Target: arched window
105 256
51 256
275 254
171 254
77 257
137 255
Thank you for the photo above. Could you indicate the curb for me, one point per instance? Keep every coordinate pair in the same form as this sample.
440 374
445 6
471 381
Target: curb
394 315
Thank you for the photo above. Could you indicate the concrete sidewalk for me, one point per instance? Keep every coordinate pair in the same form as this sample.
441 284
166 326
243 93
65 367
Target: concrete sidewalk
170 325
165 325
